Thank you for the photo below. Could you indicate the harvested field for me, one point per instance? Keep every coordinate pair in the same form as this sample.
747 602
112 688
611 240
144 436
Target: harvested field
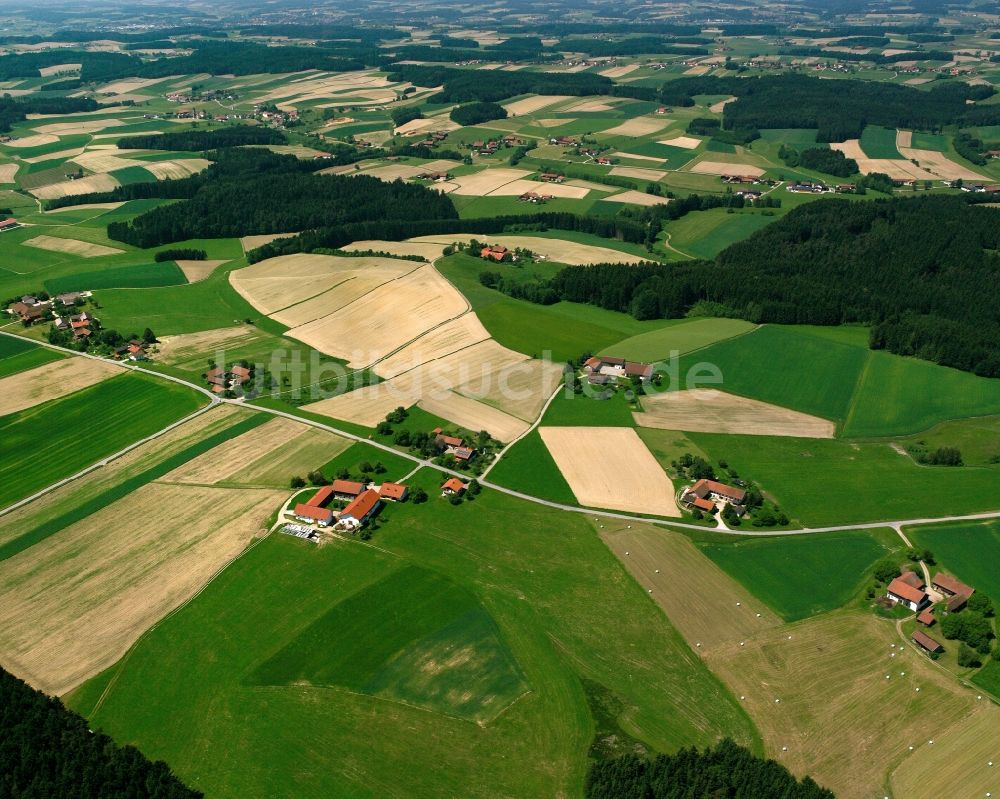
940 164
174 170
356 277
534 103
57 379
473 415
128 85
84 249
653 159
104 161
199 270
697 70
520 389
37 140
438 343
479 184
610 467
519 187
711 411
717 108
619 72
70 188
87 207
684 142
959 757
366 406
722 168
554 122
561 250
252 242
593 106
640 126
428 251
895 168
307 449
55 69
74 607
819 688
385 319
391 172
917 81
187 347
74 128
7 172
904 138
59 156
638 172
673 567
636 198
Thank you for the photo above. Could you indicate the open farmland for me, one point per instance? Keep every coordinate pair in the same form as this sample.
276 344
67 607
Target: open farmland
610 467
560 250
51 381
711 411
967 549
83 249
58 438
682 337
18 355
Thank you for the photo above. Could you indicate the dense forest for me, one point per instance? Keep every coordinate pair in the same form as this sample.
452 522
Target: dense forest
921 271
726 771
838 109
48 752
255 191
822 159
475 113
16 109
198 140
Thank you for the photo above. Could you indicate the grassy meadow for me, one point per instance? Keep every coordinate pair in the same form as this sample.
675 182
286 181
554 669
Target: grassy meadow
19 355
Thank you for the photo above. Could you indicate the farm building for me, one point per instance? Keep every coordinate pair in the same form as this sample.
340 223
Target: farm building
925 642
360 510
926 618
28 313
497 252
452 486
396 492
720 492
452 445
8 224
346 489
907 590
617 367
949 586
311 513
702 504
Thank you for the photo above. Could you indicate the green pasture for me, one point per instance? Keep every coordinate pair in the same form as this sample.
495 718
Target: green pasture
14 360
704 234
138 276
799 576
529 467
58 438
548 610
682 336
969 550
133 174
878 142
978 439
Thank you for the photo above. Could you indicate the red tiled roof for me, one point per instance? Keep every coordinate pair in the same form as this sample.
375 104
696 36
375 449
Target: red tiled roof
393 490
314 513
321 497
453 484
705 487
240 371
464 453
360 507
913 579
951 585
703 504
449 441
347 487
924 640
926 617
899 587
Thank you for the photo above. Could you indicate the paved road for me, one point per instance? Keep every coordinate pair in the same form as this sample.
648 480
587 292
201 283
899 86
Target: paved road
423 462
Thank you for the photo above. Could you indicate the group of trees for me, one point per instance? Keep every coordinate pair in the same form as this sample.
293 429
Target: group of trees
710 126
682 206
921 271
476 113
16 109
973 627
839 109
725 770
180 254
48 751
821 159
197 140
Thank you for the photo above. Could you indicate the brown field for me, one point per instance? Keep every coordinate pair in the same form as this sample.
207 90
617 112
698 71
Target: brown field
819 688
673 567
391 172
940 164
450 337
561 250
70 188
601 104
199 270
55 69
74 606
610 467
712 411
619 72
36 140
959 756
637 198
723 168
685 142
174 170
904 138
62 154
479 184
103 161
308 449
717 108
84 249
385 319
428 251
281 282
895 168
697 70
7 172
473 415
87 206
638 172
518 187
252 242
366 406
129 85
652 159
195 347
358 278
520 389
53 380
534 103
83 126
640 126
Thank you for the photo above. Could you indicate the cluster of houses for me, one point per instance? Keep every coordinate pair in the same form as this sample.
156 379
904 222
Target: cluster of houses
818 187
979 188
9 223
534 197
434 139
603 370
80 325
31 309
910 591
363 502
434 177
704 495
220 379
495 252
564 141
452 445
491 146
132 350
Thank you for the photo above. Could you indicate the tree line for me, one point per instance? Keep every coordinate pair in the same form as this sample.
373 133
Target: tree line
48 751
920 271
198 140
475 113
822 159
725 771
16 109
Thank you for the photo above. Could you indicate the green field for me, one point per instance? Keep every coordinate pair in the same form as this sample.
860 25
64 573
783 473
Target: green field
682 337
188 692
140 276
803 575
879 142
133 174
19 355
705 234
831 481
529 467
53 440
969 550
